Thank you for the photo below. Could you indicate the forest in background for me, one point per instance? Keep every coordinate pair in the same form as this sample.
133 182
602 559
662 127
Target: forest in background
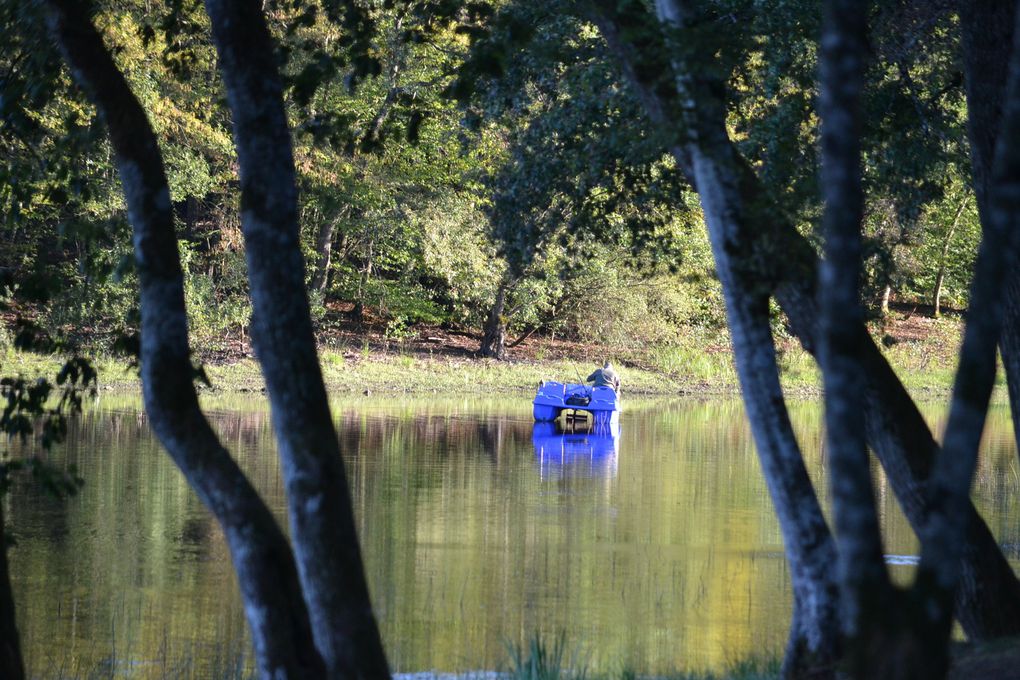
515 194
565 110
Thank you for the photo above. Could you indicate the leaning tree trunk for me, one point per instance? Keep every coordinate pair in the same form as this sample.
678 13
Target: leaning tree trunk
814 643
494 333
11 664
813 646
938 571
988 601
265 567
319 501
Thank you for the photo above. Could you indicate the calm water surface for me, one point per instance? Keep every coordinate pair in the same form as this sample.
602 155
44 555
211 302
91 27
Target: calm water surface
657 552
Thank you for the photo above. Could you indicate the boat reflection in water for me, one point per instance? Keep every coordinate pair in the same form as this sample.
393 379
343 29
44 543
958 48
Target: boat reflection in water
564 448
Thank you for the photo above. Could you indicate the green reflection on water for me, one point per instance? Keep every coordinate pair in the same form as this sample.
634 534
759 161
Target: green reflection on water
663 556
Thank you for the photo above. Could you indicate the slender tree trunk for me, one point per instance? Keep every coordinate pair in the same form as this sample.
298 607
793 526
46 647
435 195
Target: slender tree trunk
1009 347
936 293
939 570
865 588
324 248
524 336
813 647
494 333
814 643
940 276
262 559
366 276
319 502
986 38
988 601
12 667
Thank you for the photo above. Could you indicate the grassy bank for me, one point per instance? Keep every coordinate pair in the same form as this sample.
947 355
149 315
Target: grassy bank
393 372
923 351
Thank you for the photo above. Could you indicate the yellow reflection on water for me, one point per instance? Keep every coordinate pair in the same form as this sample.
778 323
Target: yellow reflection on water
656 553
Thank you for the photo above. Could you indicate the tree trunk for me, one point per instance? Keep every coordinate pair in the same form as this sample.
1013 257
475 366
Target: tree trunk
262 559
12 667
1009 347
988 602
814 644
324 248
494 333
940 276
813 647
366 276
865 589
938 572
319 502
986 39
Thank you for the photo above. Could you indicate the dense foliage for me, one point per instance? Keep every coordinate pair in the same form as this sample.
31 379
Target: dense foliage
465 161
532 167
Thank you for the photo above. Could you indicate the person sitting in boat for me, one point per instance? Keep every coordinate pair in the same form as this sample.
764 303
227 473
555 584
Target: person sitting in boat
605 377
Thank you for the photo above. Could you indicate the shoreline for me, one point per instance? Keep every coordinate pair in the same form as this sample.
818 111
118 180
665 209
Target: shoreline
923 352
407 373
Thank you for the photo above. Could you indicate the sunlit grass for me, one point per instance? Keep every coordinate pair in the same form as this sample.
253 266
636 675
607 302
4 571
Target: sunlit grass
693 366
544 659
699 362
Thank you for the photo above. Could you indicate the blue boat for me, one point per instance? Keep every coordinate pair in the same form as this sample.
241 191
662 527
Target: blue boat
571 403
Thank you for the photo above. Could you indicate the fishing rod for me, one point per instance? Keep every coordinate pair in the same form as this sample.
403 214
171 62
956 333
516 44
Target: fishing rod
579 380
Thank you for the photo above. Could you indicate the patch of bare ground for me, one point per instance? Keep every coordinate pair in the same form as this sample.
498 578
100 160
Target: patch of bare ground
914 324
339 331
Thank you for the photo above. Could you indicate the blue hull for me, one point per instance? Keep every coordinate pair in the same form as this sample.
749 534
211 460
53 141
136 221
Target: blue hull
555 397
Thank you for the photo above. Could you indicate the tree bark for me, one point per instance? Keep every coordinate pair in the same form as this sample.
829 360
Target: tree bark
12 666
865 588
366 276
494 333
986 39
938 572
814 643
883 303
319 503
262 559
988 601
324 248
940 275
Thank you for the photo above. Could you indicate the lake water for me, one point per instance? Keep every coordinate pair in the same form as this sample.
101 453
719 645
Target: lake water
656 552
